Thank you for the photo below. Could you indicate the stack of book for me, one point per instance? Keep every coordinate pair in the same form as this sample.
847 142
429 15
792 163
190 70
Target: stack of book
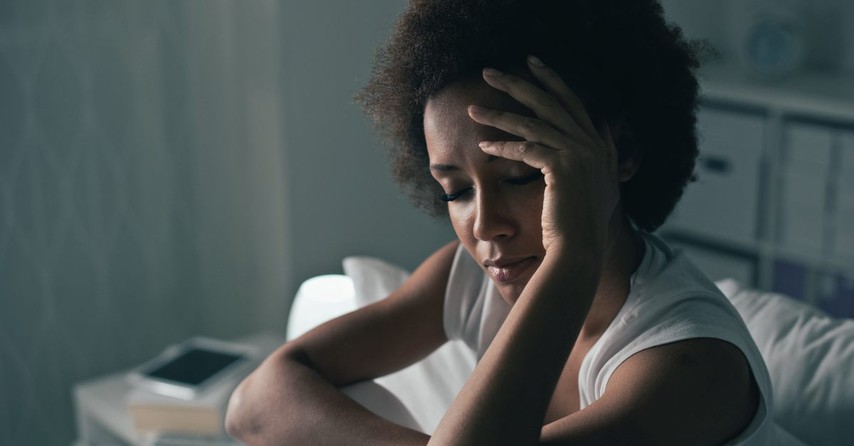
160 415
180 397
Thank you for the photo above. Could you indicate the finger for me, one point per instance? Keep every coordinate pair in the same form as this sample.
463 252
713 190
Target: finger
545 106
535 155
553 83
531 129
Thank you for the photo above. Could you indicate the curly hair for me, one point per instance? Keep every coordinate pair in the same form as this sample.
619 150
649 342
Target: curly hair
620 57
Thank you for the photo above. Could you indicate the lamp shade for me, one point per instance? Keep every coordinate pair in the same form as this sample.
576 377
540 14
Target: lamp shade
318 300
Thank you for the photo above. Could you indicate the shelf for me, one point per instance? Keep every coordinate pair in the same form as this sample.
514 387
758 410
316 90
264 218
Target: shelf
775 110
731 245
816 95
819 262
757 249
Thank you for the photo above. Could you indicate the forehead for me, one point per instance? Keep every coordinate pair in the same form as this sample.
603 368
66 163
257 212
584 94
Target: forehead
447 125
453 100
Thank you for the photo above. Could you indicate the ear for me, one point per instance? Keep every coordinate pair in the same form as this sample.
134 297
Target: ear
628 164
627 168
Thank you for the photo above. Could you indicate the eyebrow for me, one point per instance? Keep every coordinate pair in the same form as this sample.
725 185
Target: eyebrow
451 167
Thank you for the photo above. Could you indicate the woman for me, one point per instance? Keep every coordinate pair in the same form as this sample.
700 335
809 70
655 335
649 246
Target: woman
555 135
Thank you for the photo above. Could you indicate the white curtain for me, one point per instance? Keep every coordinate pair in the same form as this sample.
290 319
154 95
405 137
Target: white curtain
142 198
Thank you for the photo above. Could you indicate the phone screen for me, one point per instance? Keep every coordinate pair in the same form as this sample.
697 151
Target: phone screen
194 366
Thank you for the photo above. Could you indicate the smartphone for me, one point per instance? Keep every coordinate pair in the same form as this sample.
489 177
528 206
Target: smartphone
187 369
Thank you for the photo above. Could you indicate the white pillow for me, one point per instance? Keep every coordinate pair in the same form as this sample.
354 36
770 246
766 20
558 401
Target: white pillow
428 387
373 279
810 357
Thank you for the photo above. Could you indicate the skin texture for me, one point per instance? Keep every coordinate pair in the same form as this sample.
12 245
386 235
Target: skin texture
535 188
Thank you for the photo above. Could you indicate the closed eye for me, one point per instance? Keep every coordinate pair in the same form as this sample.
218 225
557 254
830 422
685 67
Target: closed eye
516 181
453 196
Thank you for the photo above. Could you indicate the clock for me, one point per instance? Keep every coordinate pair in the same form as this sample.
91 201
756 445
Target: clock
772 46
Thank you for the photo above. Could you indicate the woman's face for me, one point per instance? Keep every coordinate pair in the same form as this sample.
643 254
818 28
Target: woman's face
495 205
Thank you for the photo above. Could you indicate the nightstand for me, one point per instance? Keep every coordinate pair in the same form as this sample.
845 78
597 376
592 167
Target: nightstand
102 416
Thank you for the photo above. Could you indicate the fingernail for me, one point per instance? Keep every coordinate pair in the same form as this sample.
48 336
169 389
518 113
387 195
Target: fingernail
491 72
485 144
475 110
535 61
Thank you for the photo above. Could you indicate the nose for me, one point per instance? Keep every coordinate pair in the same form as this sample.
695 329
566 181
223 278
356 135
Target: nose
493 219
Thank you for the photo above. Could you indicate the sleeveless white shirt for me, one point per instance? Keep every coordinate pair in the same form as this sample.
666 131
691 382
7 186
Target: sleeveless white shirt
670 300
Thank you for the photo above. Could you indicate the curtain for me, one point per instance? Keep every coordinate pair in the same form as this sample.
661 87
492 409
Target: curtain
142 197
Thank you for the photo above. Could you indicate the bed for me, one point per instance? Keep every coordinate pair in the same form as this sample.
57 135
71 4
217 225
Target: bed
809 354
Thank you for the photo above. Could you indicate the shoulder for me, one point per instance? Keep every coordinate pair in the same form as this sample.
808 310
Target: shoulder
428 281
695 391
670 299
679 351
668 272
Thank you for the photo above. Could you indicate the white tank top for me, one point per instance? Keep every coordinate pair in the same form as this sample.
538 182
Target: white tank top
670 300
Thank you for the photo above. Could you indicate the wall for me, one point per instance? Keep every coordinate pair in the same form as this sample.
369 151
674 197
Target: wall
141 190
829 38
341 193
170 169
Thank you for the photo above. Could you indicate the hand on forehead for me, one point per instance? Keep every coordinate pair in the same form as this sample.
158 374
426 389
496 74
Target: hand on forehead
446 113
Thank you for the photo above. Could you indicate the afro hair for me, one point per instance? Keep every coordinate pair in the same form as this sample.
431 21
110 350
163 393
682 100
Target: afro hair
628 66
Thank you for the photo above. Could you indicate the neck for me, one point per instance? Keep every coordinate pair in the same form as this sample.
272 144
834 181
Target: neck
625 252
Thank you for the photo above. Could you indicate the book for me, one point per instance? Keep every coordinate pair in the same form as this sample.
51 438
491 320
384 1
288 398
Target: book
184 440
202 416
165 419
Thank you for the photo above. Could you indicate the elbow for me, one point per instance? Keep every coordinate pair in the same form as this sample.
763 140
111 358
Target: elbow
253 412
248 415
237 420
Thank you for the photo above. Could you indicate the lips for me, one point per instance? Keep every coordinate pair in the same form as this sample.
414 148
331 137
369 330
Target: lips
508 270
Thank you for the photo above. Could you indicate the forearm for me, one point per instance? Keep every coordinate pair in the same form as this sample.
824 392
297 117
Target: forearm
505 399
285 402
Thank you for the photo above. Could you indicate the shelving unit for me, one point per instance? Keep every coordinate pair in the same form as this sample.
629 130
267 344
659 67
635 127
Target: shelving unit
774 201
817 95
